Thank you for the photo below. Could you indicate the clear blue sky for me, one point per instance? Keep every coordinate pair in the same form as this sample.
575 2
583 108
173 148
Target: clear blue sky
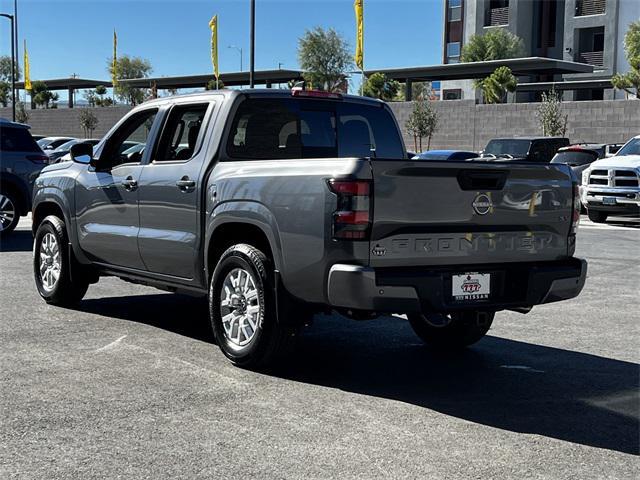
66 37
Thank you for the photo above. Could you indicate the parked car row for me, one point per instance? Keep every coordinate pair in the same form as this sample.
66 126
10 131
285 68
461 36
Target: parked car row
610 173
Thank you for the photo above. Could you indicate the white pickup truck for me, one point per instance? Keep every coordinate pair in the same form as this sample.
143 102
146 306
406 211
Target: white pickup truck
611 186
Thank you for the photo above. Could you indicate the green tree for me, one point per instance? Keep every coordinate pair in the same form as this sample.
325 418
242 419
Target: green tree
422 122
88 122
5 69
495 86
22 116
5 90
550 115
90 97
127 68
42 96
379 86
211 85
630 81
496 44
325 57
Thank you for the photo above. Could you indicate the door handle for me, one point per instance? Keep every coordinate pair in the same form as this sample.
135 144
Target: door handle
185 184
130 184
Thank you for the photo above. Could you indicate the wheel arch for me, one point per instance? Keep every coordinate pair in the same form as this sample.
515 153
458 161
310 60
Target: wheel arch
227 233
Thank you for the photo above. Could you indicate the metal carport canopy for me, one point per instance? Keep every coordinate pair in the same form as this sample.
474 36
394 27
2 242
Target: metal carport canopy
231 79
470 70
69 83
566 85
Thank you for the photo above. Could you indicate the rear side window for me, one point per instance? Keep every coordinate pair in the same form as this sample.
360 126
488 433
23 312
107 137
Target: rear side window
293 128
18 139
181 132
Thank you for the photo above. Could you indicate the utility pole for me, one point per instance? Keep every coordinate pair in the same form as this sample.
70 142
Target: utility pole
252 64
13 65
17 42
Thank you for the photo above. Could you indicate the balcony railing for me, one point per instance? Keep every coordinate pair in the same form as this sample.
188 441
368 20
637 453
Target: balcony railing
590 7
592 58
497 16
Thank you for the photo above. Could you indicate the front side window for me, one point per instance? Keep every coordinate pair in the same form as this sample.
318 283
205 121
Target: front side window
292 128
135 131
181 132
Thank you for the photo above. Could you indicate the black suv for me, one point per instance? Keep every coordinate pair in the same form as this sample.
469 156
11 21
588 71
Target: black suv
527 149
21 160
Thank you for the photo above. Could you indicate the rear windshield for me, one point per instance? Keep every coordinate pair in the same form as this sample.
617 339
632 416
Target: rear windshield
516 148
17 139
293 128
574 158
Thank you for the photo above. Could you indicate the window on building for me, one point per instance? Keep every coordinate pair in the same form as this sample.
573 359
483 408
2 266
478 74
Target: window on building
590 7
453 94
590 46
496 13
453 49
455 10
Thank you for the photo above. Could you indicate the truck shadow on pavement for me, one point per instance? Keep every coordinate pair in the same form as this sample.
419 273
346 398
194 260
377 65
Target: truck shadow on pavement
17 241
506 384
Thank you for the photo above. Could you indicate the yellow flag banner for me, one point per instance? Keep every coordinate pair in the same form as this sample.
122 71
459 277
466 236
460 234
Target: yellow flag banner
114 68
213 25
27 72
358 6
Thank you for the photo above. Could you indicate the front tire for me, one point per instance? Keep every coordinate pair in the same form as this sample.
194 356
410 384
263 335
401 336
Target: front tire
242 309
51 265
451 331
597 217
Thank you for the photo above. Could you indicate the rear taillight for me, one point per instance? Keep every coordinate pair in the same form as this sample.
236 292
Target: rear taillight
38 158
575 221
352 218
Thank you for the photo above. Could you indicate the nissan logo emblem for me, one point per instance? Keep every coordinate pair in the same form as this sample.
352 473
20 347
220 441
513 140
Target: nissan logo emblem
482 204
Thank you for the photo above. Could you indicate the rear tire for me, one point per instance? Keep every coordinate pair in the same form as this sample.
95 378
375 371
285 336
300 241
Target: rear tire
597 217
9 211
242 309
51 265
451 331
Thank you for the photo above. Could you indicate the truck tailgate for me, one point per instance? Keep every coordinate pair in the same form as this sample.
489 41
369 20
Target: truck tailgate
450 213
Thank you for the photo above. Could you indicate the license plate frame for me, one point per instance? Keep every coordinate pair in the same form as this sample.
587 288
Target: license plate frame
470 286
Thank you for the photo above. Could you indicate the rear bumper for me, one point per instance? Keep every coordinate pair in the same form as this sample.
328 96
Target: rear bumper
428 289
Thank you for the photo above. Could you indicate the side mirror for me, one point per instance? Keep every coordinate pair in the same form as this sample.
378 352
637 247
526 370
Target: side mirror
82 153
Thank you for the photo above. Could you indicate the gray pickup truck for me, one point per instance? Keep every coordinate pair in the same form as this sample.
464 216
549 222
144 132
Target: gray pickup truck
279 205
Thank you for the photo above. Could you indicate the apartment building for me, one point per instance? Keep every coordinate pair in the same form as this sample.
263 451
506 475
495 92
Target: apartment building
585 31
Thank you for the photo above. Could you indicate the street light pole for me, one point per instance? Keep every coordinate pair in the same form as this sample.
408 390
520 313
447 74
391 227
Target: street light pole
15 24
239 49
252 64
13 66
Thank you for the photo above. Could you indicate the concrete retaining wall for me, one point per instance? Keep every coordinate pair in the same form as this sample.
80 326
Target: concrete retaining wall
64 121
462 123
465 125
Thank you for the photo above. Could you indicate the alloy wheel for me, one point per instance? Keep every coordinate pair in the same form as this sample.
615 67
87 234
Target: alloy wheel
240 307
50 263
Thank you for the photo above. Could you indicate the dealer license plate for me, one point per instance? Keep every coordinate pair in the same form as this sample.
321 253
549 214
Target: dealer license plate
471 286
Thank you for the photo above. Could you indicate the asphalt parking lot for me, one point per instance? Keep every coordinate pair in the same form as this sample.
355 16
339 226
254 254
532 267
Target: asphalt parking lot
129 385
